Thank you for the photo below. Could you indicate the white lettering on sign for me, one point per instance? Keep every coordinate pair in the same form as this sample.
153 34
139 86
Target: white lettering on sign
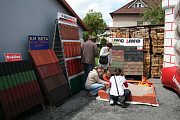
127 41
175 81
13 56
67 18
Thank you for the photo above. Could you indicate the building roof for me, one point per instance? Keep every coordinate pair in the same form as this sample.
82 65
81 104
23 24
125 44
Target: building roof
71 12
131 10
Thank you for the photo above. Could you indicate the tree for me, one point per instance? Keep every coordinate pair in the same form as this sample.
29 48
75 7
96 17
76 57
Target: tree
154 12
103 41
95 23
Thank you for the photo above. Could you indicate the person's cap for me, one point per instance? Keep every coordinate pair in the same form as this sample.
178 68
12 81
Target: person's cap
91 37
99 66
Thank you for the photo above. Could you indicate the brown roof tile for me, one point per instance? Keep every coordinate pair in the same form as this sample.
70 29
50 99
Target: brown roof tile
53 82
126 10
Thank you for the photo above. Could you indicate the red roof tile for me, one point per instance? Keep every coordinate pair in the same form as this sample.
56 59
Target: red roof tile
126 10
49 70
44 57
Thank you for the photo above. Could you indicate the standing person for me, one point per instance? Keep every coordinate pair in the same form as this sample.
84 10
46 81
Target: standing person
89 51
106 51
94 83
117 92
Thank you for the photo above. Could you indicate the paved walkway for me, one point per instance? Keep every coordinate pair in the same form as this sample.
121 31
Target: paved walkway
82 107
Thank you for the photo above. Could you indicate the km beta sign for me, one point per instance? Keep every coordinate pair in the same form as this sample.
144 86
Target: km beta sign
38 42
10 57
126 41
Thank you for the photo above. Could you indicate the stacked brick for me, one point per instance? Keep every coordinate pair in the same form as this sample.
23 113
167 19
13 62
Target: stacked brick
133 68
19 89
133 59
157 37
51 76
153 44
117 58
128 58
132 54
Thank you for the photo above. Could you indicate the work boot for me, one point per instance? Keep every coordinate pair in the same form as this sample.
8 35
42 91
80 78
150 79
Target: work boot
90 95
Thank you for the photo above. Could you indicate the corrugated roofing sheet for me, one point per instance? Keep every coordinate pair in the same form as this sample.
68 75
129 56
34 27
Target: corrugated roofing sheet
49 70
44 57
51 74
53 82
17 83
59 94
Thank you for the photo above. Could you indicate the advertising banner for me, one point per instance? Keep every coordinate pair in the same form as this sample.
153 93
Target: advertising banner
126 41
38 42
10 57
63 18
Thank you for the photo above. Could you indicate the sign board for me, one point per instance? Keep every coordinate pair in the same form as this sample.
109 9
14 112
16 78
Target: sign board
63 18
10 57
126 41
38 42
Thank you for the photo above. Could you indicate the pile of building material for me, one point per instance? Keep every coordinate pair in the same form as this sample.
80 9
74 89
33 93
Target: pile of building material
157 37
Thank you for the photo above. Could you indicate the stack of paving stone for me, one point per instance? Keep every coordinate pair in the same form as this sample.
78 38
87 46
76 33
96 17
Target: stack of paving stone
128 58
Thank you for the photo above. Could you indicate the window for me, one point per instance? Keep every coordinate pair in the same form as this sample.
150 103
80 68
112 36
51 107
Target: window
139 22
135 5
153 22
139 5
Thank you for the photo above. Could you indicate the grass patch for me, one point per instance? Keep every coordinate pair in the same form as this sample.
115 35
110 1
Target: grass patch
96 61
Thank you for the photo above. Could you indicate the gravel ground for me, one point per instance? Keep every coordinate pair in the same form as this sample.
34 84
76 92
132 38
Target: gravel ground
82 107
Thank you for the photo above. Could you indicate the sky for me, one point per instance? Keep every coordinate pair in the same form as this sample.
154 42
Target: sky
81 7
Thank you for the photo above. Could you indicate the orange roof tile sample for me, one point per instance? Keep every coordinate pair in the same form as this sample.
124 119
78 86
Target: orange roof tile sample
43 57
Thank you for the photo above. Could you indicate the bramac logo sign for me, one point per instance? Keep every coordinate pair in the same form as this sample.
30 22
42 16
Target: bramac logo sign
67 18
127 41
10 57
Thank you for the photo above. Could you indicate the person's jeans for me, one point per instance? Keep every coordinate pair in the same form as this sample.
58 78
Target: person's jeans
87 69
94 88
127 93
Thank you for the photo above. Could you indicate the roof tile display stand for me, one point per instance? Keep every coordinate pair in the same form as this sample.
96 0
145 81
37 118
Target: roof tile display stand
67 45
170 76
52 79
19 89
147 97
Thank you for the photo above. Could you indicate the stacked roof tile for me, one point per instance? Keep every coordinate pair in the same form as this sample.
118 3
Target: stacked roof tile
74 66
19 89
69 32
54 82
72 49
